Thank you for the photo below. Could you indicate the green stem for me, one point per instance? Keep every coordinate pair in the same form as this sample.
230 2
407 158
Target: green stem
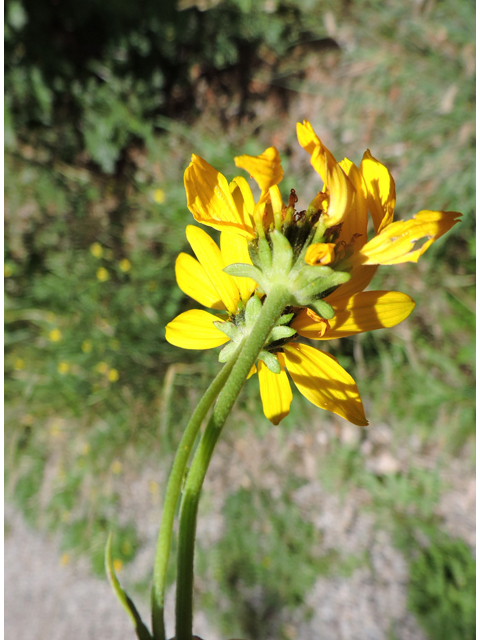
171 497
271 311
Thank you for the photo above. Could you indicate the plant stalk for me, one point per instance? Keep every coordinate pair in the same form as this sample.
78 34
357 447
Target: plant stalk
271 311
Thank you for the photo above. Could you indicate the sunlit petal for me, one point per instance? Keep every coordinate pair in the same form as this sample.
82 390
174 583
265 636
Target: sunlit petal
340 195
210 257
209 198
195 330
265 169
243 198
380 190
396 243
235 249
275 391
362 312
324 382
321 157
193 280
355 223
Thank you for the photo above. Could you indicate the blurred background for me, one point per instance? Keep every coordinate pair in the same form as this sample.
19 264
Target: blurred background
314 529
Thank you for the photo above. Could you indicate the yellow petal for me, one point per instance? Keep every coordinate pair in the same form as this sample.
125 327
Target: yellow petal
243 198
210 257
320 253
355 223
321 156
265 169
309 324
360 278
210 200
276 199
275 391
365 311
252 371
341 194
396 243
193 280
380 190
324 382
195 330
235 249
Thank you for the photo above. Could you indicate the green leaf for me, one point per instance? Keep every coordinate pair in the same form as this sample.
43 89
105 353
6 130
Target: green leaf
141 630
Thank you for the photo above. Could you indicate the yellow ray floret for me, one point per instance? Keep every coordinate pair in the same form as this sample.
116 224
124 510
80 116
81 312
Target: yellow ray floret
275 391
210 200
235 250
193 280
211 259
355 223
321 157
380 191
324 382
396 243
195 330
361 312
265 169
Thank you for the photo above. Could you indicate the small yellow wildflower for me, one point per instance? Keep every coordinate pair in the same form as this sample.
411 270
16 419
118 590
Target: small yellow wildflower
113 375
153 487
7 270
96 250
64 559
87 346
125 265
19 364
63 367
101 367
116 467
117 565
159 196
55 335
102 274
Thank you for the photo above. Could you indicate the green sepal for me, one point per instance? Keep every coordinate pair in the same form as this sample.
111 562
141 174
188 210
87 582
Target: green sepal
243 270
310 273
317 287
285 319
264 254
227 352
227 328
323 309
254 306
141 630
282 252
270 360
280 333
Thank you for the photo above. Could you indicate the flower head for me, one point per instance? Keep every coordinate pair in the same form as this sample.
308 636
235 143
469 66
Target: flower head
322 256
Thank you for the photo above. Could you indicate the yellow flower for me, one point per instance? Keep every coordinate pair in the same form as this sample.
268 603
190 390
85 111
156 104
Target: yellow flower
7 270
125 265
159 196
102 274
64 559
117 565
334 228
116 467
87 346
113 375
19 364
101 367
55 335
96 250
63 367
316 374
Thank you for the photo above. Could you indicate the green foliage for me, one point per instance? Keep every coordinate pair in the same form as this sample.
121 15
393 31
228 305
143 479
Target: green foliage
442 590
